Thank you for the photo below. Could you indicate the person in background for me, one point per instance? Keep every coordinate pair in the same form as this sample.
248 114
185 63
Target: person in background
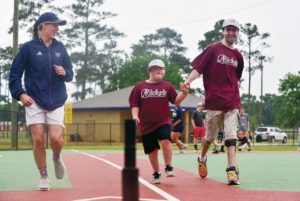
177 128
242 141
244 126
216 147
149 102
47 66
221 139
198 123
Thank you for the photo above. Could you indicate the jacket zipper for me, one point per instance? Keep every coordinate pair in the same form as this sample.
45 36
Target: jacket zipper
49 53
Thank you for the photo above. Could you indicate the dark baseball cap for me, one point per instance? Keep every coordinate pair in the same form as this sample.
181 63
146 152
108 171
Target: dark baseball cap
50 17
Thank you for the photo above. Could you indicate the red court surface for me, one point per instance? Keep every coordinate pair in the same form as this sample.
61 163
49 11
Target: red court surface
99 177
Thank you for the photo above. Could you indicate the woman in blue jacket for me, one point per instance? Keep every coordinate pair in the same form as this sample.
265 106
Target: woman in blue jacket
46 66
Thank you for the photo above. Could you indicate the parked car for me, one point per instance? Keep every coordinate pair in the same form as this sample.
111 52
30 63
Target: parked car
270 134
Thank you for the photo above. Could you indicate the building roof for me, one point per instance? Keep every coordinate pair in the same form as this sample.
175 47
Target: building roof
118 100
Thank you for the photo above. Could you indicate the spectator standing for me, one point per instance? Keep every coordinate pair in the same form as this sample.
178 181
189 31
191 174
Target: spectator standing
198 123
177 128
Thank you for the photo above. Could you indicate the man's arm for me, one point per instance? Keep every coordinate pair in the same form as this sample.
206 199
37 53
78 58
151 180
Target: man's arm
193 121
192 76
177 122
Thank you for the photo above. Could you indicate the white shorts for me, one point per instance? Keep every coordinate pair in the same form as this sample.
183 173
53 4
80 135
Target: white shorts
36 115
214 120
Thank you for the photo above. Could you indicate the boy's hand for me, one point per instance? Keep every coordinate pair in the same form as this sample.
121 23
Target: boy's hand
137 121
184 87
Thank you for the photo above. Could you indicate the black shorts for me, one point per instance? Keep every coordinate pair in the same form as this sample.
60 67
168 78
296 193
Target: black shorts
243 140
177 130
150 140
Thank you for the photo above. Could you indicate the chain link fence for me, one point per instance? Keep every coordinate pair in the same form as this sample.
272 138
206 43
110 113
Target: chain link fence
78 134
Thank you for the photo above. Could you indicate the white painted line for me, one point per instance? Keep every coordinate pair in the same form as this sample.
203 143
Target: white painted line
113 197
141 180
99 198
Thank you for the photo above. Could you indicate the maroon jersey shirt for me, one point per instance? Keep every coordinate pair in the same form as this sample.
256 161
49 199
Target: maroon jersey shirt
152 99
222 68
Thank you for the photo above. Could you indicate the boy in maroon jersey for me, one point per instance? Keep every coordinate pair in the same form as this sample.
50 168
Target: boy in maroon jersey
149 102
221 65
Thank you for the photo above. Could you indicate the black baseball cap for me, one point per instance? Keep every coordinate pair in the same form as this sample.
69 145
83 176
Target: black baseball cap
50 17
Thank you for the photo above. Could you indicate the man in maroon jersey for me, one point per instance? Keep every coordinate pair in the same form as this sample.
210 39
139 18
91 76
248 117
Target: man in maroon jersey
149 102
221 65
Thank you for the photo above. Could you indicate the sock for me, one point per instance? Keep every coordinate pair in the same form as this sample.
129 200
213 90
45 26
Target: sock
202 159
169 166
56 156
43 172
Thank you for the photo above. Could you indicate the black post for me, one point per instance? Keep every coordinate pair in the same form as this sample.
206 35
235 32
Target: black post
130 186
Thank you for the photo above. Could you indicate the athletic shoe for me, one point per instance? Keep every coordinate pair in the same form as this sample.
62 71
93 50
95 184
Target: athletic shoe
156 178
185 147
181 151
44 184
233 175
249 149
202 167
59 168
169 171
215 151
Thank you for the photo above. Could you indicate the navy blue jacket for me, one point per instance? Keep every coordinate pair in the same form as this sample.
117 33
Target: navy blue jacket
177 114
41 82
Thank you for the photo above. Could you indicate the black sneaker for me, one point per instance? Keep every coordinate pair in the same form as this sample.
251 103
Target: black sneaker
169 171
215 151
156 178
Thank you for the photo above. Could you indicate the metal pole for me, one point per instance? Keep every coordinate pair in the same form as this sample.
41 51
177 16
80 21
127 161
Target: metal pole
14 104
261 92
130 186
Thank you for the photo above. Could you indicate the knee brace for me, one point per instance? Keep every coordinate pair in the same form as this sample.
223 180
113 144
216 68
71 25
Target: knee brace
231 142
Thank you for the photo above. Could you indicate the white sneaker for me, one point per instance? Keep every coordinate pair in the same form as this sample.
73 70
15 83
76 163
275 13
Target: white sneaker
156 178
44 184
59 168
181 151
169 171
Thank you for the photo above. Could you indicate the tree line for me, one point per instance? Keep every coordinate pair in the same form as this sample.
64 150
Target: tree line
100 66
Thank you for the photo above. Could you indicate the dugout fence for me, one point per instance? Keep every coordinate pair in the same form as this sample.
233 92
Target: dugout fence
83 134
